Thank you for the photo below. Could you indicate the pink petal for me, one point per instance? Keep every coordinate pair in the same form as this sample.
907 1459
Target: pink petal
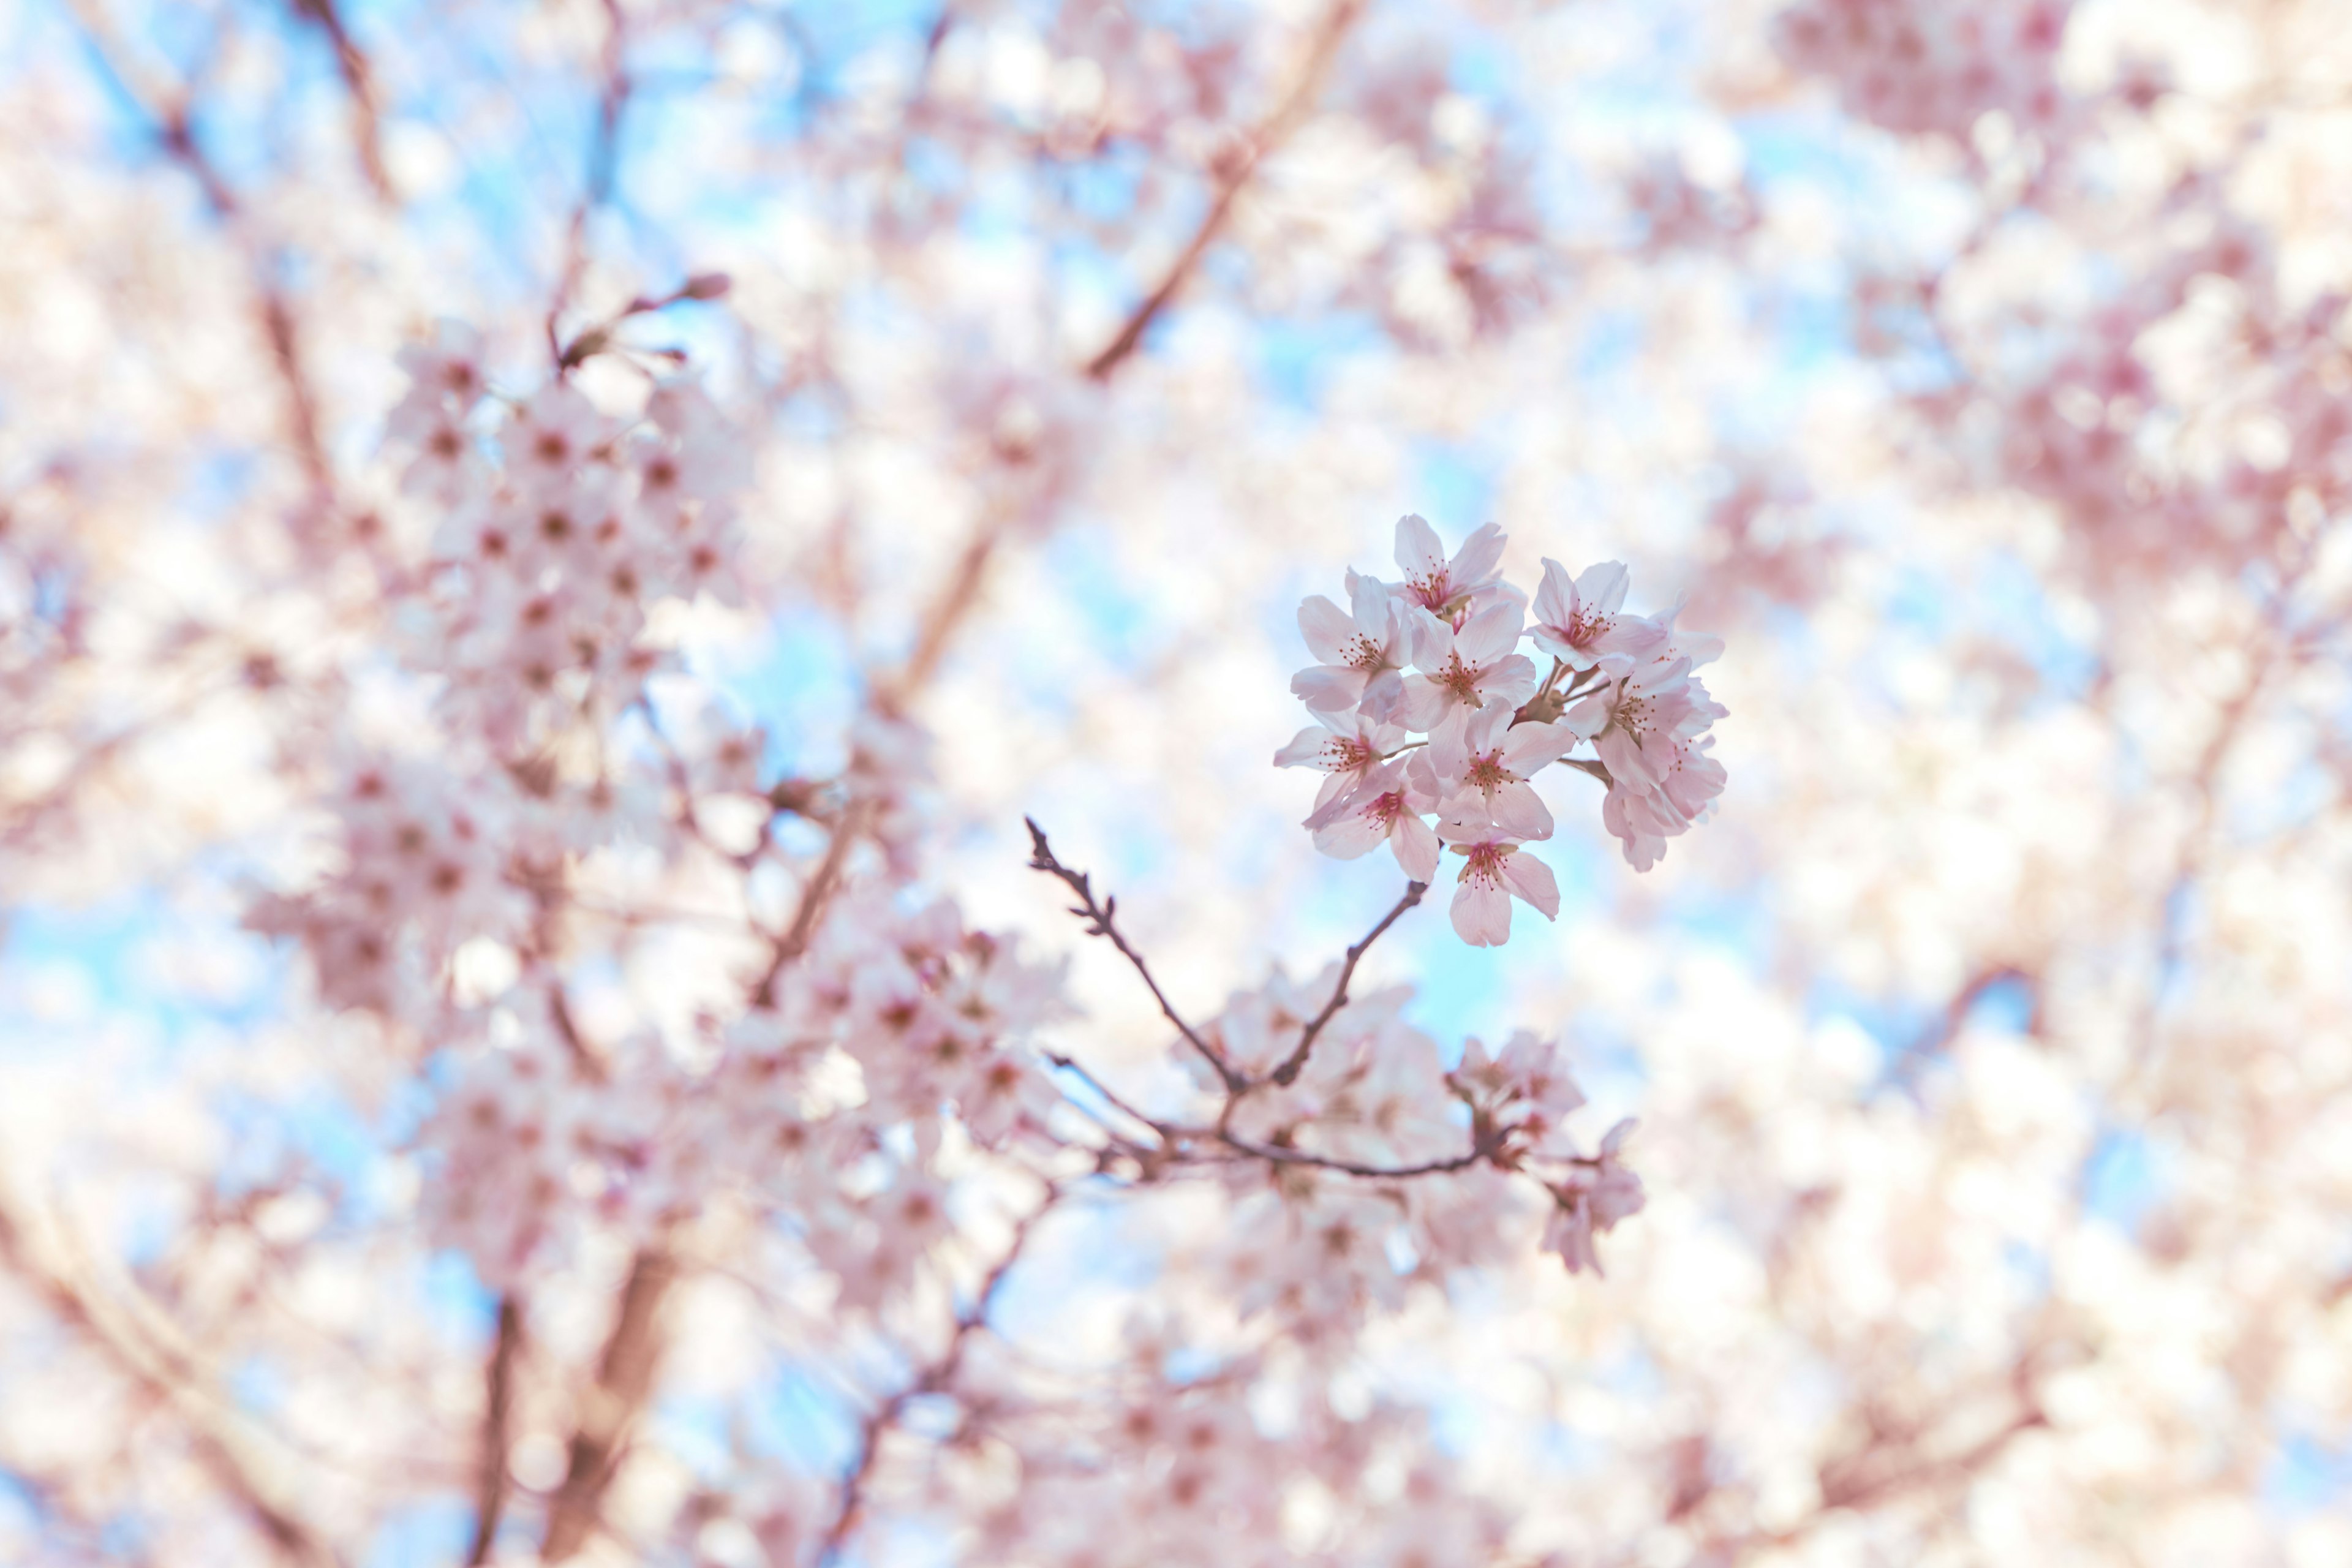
1418 553
1601 589
1328 688
1307 749
1482 914
1416 849
1480 555
1556 599
1531 880
1327 628
1490 634
1519 813
1509 681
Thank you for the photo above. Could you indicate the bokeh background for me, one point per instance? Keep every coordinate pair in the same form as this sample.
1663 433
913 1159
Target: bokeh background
1978 371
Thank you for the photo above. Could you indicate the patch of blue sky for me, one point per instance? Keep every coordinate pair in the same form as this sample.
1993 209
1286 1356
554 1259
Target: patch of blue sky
800 1417
258 1384
1734 922
2010 602
1106 187
2123 1178
1898 1024
1298 355
455 1305
800 684
429 1535
698 1431
2308 1473
1457 481
111 947
1117 623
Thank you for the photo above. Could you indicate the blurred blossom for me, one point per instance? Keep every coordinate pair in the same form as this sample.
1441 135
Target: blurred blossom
547 552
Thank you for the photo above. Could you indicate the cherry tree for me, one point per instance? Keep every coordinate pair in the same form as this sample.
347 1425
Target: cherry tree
646 915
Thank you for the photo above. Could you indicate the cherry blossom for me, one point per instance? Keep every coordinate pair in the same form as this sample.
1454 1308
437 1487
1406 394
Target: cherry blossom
1385 807
1579 620
1447 589
1494 872
1363 654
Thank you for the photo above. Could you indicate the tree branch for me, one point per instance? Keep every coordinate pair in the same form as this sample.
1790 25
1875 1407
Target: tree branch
623 1379
490 1490
932 1379
1261 142
1099 919
1289 1071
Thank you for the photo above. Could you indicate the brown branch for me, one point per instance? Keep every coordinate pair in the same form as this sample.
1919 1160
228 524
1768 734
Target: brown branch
931 1379
169 109
623 1378
1289 1071
359 81
168 1378
1099 917
490 1489
604 164
846 831
1238 174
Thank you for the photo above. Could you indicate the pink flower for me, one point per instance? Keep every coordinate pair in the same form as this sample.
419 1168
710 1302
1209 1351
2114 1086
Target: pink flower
1386 807
1465 670
1600 1193
1580 620
1346 747
1363 655
1494 758
1633 718
1444 587
1493 871
558 431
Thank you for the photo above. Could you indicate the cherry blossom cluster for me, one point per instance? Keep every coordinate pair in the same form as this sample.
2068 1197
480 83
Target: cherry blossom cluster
1917 66
1424 707
560 525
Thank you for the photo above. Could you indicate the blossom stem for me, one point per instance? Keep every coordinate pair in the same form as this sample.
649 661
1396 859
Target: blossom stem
1100 915
1289 1071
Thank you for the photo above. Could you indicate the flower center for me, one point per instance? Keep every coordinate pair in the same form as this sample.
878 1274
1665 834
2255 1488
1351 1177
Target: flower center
1460 679
1366 655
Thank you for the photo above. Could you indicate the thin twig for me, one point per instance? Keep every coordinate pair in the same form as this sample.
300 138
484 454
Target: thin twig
167 1374
604 165
820 888
1099 919
1244 166
359 81
932 1379
170 110
1289 1071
